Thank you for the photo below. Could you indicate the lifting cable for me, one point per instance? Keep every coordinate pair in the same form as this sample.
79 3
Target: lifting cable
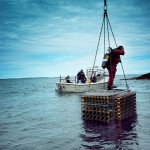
108 26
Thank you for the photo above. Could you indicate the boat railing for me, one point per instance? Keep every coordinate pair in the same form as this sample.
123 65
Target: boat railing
63 79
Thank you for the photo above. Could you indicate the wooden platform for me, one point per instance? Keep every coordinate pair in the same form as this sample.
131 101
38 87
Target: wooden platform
104 106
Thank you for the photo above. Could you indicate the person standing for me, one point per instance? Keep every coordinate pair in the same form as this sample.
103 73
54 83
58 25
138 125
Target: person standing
112 66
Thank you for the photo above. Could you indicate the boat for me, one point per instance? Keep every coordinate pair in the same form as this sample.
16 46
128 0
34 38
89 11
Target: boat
74 87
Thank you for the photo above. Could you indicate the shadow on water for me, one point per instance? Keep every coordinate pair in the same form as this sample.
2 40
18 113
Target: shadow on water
116 135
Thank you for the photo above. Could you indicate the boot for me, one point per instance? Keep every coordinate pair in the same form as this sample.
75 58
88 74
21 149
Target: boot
109 88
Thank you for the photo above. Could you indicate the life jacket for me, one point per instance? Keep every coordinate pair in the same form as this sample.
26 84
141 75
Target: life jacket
108 57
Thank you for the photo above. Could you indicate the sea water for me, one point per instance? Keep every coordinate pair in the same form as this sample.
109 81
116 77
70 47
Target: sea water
34 116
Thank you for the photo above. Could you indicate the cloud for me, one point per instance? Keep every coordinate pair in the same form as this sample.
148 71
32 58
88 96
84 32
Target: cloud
63 34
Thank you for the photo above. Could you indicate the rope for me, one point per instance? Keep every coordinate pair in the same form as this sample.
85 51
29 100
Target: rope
104 41
124 76
105 3
98 45
97 48
108 32
111 30
104 32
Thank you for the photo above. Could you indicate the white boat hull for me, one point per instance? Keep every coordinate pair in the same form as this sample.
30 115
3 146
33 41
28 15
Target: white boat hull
81 87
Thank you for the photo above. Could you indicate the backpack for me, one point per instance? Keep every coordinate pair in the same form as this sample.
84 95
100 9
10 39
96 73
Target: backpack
108 58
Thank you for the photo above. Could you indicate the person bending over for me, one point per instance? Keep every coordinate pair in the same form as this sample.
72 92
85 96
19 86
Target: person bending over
112 66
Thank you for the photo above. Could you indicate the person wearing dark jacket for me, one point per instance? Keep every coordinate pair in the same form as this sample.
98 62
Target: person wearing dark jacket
81 77
112 67
94 79
68 79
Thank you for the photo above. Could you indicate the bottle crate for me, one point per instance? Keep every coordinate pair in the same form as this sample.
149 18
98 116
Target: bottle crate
105 106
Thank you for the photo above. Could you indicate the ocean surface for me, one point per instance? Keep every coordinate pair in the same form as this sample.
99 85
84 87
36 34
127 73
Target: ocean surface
34 116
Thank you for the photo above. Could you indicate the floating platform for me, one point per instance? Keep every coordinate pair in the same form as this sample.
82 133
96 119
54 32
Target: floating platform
104 106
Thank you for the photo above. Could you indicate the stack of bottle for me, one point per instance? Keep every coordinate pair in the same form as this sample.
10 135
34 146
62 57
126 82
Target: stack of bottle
97 108
104 107
125 105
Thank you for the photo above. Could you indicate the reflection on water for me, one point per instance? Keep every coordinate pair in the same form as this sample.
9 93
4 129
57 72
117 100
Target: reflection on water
116 135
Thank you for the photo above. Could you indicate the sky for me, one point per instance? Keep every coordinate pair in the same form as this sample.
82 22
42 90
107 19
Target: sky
49 38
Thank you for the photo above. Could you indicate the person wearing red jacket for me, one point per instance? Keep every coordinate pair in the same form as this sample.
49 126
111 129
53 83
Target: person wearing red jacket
112 67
